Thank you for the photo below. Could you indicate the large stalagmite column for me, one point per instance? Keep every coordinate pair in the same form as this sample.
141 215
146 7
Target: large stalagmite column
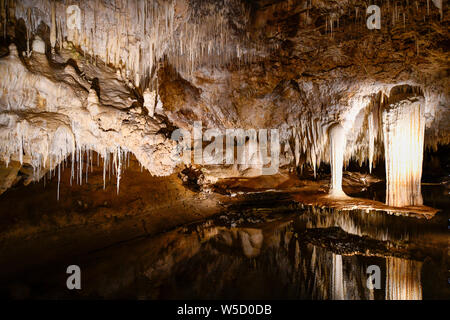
403 130
337 148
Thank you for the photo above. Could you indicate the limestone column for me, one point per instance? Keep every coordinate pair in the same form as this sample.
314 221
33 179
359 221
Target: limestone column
337 148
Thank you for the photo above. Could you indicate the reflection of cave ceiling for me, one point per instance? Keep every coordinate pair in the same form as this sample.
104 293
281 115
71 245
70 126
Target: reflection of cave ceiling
299 66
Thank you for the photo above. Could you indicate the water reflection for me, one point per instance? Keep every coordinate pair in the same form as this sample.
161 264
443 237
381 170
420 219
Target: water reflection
308 254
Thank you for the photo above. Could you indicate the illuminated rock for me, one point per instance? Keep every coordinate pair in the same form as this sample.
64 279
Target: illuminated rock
337 149
403 130
150 101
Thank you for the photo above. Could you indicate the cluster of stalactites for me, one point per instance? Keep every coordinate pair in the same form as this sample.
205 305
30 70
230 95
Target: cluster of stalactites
134 36
47 150
366 145
391 126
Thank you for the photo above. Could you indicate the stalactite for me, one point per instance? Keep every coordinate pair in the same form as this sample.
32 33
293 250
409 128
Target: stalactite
337 278
187 45
296 148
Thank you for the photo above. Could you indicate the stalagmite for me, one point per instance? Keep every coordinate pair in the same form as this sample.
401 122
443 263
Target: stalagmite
403 130
93 103
371 142
296 149
337 149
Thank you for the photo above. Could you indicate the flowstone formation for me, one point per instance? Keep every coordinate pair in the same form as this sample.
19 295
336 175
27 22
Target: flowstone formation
117 77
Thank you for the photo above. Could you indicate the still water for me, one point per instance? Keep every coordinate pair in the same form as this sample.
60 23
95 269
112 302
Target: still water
266 247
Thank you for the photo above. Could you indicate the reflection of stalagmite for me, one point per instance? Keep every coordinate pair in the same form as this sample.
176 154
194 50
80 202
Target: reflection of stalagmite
93 105
337 148
337 278
403 129
403 279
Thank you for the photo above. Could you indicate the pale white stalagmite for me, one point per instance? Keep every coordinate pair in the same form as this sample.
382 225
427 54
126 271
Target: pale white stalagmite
403 130
53 28
337 149
310 140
